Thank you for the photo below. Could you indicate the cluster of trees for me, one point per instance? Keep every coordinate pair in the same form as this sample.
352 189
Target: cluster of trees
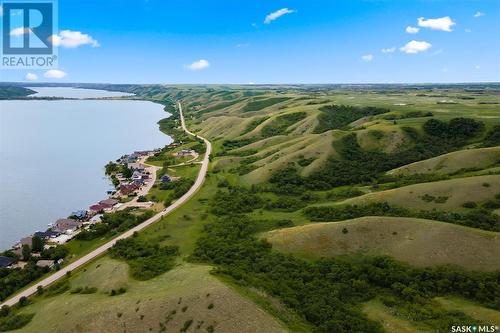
339 116
12 279
259 104
9 320
179 187
235 199
457 128
113 223
406 115
328 292
480 218
493 137
359 166
281 123
146 260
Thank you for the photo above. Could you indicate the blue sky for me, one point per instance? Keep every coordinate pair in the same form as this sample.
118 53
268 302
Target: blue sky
315 41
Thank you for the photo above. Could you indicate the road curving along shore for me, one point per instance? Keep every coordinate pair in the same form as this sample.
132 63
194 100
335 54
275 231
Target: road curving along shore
103 248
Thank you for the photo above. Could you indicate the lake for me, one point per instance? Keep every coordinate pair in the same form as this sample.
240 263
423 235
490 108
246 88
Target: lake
53 153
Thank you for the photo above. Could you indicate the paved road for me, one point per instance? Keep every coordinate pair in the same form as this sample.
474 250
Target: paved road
102 249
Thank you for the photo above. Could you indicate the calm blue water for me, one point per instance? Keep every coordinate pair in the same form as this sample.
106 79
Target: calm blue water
52 154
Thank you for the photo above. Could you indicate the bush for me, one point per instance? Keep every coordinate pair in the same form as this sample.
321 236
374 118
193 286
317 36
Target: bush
145 260
339 116
14 321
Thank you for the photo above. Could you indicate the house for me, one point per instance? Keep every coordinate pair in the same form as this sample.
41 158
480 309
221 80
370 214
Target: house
138 182
126 189
96 219
80 214
25 241
45 263
165 179
137 175
6 262
97 208
66 225
110 202
184 152
47 235
136 167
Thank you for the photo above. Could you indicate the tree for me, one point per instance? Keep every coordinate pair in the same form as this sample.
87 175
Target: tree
37 243
26 251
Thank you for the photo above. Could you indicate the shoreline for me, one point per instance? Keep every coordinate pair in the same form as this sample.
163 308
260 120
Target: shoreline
32 288
17 245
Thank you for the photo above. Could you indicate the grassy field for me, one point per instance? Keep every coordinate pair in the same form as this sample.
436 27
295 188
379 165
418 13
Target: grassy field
454 193
481 158
475 311
415 241
391 324
164 304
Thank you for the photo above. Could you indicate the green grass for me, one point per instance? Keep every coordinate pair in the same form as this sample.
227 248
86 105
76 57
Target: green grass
260 104
473 310
391 323
416 241
455 192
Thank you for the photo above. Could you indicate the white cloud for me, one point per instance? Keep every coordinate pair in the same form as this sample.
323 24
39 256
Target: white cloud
478 14
19 31
415 47
412 30
54 74
242 45
444 69
199 65
477 67
442 23
277 14
73 39
388 50
468 30
367 57
31 77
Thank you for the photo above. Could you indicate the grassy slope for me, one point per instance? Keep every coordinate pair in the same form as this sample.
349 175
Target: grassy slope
457 190
391 324
147 304
452 162
416 241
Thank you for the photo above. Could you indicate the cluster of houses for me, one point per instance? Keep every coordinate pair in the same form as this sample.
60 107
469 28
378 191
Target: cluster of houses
64 229
140 176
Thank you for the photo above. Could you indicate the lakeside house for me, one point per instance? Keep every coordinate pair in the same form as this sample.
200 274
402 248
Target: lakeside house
111 202
25 241
47 235
45 263
136 167
126 189
80 214
66 226
6 262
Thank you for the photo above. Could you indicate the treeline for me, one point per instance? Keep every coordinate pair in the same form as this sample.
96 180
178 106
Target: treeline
13 279
359 166
328 293
480 218
281 123
339 116
146 260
